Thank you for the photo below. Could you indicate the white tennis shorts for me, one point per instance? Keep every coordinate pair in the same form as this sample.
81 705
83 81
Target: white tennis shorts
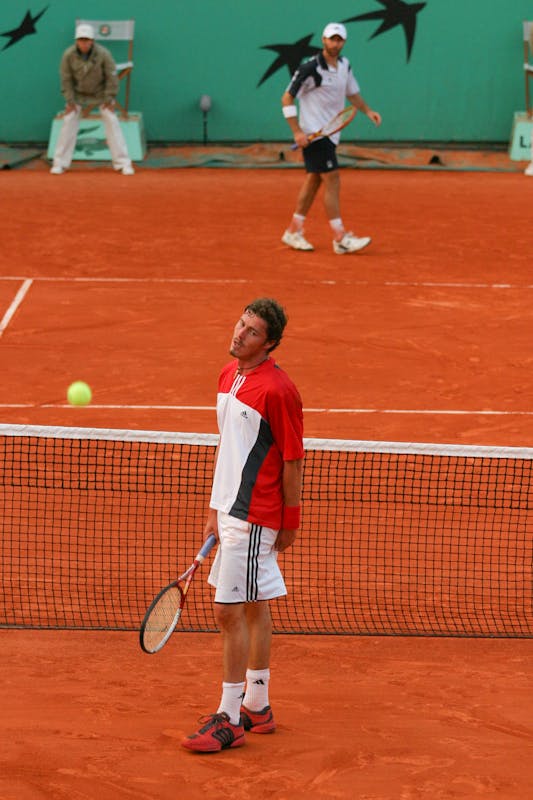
245 568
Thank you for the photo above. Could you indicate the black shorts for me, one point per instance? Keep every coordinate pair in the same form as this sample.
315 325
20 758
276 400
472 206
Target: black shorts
321 156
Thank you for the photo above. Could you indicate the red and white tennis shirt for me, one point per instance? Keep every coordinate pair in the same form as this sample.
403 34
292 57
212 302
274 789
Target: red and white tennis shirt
321 91
260 420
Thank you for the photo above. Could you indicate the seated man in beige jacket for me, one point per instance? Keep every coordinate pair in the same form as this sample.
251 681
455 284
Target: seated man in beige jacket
89 78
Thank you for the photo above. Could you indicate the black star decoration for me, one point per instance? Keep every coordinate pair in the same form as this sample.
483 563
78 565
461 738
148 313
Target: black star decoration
26 27
396 12
289 55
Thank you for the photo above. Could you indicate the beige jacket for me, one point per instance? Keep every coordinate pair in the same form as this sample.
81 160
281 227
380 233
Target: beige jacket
91 81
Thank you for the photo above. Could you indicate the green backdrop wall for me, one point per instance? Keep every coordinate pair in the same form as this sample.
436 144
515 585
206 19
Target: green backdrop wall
462 80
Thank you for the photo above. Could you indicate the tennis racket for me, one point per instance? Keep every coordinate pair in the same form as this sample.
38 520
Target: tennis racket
336 123
165 610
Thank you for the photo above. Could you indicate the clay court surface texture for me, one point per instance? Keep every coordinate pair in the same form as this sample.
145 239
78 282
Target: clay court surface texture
133 284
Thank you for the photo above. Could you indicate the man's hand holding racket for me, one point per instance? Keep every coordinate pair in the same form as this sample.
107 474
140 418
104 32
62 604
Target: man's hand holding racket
335 124
301 139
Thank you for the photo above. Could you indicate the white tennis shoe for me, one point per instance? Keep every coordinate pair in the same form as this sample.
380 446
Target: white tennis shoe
296 240
529 169
57 171
128 170
350 244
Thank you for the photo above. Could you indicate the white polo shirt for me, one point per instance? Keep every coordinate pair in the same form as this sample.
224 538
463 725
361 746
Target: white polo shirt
321 91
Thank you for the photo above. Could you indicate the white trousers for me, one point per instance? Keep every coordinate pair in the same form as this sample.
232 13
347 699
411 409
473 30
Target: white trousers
66 141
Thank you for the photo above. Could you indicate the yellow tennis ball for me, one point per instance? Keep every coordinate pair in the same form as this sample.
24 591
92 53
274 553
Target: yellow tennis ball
79 393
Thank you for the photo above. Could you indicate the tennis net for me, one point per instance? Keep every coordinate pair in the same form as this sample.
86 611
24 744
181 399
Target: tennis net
396 539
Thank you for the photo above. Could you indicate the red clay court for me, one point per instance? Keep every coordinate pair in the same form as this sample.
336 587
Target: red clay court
134 284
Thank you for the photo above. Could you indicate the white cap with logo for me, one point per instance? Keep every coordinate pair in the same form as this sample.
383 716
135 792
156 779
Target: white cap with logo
84 31
335 29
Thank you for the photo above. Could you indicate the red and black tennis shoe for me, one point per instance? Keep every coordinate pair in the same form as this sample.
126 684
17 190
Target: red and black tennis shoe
258 721
217 733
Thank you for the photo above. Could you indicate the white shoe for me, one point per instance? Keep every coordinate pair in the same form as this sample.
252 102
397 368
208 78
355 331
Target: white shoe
296 240
128 170
350 244
57 171
529 169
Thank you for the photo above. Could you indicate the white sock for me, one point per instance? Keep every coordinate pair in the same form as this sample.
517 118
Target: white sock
298 221
230 702
337 226
256 697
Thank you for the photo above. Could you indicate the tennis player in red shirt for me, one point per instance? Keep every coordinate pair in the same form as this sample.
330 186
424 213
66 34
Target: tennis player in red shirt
255 513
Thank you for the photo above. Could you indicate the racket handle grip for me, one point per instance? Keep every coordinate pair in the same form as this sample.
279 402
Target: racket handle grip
206 547
310 138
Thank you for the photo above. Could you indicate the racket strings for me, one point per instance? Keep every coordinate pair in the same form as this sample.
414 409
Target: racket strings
339 121
161 618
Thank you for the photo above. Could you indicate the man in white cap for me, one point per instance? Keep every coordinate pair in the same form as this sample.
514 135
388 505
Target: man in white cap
322 85
88 78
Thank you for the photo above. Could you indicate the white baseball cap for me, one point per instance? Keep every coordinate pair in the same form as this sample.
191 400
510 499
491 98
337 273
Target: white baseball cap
335 29
84 31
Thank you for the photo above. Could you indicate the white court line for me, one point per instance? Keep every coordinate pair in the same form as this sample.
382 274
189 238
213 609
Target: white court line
413 411
17 300
225 281
472 412
85 279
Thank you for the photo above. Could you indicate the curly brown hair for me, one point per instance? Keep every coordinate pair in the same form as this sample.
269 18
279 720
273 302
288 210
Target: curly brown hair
273 314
